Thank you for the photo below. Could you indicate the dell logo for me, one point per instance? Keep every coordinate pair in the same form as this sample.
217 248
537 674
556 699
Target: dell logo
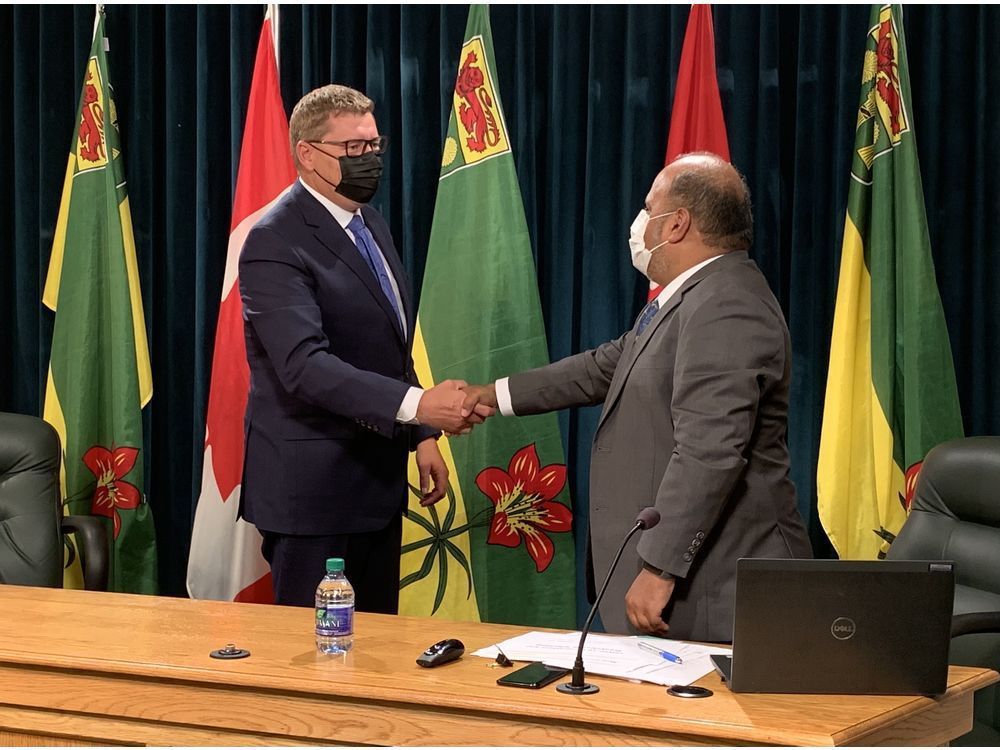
843 628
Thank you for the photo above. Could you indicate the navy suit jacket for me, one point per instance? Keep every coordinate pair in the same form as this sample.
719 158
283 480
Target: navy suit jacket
329 368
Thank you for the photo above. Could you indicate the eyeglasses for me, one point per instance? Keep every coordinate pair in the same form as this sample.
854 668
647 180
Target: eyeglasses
358 146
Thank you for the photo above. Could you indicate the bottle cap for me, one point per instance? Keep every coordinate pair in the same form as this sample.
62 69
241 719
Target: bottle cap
335 565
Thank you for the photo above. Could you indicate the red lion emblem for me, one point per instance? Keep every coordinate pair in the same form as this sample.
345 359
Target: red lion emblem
91 131
888 79
476 112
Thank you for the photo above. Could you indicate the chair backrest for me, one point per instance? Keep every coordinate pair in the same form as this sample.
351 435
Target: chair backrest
955 515
31 545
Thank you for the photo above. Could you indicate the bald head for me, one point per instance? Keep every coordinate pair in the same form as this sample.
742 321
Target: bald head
715 195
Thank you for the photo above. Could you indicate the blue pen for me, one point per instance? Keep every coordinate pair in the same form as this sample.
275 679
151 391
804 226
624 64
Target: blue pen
646 645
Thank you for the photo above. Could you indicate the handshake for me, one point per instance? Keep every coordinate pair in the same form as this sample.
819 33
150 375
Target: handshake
455 407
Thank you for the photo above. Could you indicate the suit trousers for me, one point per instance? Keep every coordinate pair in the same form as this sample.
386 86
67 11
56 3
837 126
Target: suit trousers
371 563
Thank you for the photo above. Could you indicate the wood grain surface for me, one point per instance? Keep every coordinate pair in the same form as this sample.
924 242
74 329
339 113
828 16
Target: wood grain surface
117 668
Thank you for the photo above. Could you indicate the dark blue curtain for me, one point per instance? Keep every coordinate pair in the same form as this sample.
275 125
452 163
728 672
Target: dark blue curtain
587 93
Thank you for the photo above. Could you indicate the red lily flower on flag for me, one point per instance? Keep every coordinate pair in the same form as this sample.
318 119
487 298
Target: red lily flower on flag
523 504
112 491
910 485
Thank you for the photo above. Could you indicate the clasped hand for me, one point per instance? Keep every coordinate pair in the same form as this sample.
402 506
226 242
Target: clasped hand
451 409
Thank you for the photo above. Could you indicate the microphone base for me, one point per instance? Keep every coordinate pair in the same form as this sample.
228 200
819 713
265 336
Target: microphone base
584 689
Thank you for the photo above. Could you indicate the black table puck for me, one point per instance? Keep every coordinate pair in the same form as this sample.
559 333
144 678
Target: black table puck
230 652
688 691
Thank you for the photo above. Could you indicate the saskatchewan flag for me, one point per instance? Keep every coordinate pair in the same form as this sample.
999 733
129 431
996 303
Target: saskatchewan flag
499 547
99 374
891 394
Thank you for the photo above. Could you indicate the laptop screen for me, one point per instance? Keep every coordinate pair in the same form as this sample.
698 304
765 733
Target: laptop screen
842 626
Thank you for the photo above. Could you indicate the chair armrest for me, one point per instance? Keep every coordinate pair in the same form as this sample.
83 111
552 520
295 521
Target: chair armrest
92 541
975 622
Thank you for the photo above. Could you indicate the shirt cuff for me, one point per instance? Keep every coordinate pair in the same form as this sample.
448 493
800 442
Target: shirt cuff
503 398
407 413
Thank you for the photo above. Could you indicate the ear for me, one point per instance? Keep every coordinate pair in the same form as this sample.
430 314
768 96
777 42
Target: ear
678 224
305 154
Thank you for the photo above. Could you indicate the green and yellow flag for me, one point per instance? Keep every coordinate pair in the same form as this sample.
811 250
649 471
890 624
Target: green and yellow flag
499 548
891 394
99 374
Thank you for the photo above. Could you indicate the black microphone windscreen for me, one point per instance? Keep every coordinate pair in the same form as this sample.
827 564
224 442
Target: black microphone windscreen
648 518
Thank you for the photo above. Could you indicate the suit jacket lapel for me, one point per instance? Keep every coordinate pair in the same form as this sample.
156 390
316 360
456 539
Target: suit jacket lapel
333 237
618 379
628 360
391 255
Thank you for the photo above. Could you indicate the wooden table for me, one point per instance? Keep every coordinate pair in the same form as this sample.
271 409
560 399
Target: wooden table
87 668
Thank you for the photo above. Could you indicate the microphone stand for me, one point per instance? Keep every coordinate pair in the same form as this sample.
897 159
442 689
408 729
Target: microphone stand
578 685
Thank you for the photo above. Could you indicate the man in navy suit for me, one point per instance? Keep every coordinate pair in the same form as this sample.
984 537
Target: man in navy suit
334 405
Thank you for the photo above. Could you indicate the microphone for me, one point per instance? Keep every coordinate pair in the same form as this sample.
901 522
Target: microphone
647 519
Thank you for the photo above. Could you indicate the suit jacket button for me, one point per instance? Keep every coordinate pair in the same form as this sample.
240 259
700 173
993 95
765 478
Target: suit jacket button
688 557
696 542
700 535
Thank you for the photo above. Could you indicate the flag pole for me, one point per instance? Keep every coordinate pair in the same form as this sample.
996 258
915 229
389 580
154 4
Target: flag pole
272 12
97 17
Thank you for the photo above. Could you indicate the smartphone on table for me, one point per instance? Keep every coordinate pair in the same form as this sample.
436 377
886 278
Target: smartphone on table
534 675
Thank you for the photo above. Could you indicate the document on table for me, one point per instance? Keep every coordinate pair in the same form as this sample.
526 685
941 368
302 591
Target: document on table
612 655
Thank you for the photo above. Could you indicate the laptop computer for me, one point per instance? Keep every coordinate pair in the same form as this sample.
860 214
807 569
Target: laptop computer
879 627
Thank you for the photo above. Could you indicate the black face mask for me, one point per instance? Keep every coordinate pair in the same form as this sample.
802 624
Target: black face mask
359 176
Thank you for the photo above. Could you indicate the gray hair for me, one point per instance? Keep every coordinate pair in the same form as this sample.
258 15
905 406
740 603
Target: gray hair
718 199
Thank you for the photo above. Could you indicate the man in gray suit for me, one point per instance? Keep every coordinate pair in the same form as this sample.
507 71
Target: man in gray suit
695 413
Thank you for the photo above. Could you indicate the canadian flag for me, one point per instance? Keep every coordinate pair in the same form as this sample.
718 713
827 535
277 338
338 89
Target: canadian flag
696 121
225 562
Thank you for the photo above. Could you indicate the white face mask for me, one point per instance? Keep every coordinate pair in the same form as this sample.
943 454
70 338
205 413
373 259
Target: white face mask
637 242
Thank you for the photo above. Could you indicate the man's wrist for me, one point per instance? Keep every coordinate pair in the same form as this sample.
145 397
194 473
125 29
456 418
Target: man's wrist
657 572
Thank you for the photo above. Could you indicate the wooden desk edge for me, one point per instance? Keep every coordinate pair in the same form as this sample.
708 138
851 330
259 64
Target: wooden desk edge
580 715
865 734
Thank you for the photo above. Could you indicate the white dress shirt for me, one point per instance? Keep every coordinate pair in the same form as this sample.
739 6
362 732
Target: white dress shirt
502 386
407 413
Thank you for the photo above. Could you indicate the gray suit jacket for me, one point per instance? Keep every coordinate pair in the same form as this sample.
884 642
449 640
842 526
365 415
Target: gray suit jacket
694 422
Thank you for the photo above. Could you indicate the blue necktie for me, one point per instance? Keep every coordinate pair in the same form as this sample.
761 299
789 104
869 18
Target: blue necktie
366 244
648 313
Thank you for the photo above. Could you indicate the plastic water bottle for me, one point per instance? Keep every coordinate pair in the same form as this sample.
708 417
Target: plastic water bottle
334 610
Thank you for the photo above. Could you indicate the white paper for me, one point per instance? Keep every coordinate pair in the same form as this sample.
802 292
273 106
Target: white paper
612 655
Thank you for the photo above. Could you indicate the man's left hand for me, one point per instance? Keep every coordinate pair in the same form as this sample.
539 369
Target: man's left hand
645 601
431 465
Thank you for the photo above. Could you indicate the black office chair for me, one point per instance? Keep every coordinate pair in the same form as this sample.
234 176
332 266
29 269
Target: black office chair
955 515
31 521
